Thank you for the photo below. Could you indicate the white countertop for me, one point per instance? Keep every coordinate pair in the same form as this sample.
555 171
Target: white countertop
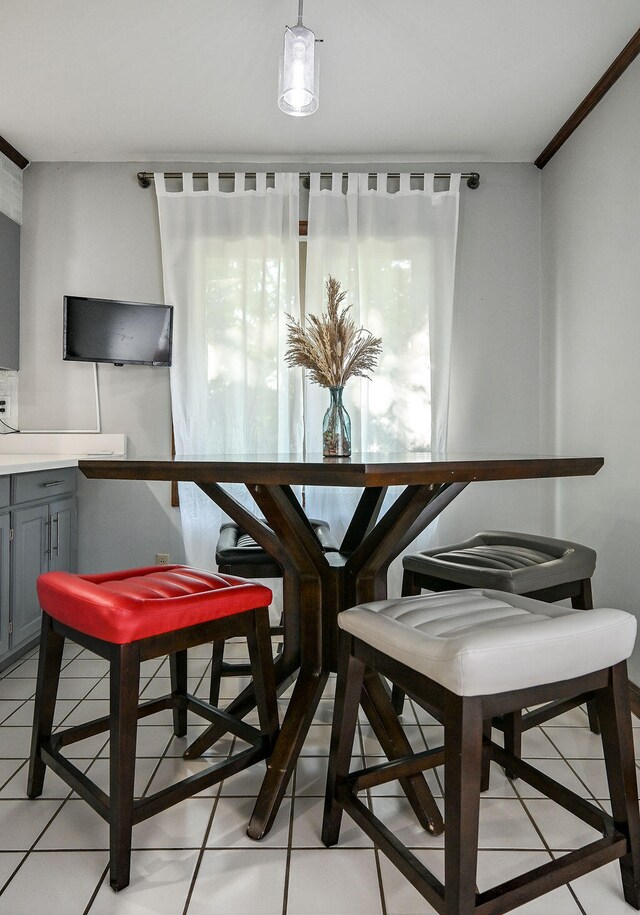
35 451
23 463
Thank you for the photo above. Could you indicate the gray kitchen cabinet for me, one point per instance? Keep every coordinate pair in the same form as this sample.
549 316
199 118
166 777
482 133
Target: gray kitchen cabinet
9 292
30 535
41 537
5 534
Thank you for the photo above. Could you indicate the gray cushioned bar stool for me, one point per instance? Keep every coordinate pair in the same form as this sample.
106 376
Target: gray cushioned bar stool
467 656
237 553
540 567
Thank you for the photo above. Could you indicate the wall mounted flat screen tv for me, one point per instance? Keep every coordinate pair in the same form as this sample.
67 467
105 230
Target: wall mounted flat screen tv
125 333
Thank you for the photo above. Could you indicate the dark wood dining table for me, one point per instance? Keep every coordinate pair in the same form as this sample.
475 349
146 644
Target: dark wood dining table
318 585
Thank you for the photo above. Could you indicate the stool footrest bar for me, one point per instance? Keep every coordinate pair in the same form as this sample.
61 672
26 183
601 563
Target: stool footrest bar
231 724
361 779
187 787
572 802
100 725
77 780
549 876
161 800
552 710
428 884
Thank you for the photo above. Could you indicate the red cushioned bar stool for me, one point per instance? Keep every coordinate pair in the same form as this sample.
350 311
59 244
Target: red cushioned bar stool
127 618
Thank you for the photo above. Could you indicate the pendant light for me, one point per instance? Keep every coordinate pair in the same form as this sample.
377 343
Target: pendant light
298 90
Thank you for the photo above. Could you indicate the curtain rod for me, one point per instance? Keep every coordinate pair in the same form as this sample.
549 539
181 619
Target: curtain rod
145 178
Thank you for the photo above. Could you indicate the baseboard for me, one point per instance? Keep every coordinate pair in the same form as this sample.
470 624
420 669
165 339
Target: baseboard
634 698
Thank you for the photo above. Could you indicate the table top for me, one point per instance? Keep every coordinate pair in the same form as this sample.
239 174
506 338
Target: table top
372 469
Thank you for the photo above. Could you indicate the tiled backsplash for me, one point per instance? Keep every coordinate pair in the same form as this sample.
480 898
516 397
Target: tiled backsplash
11 206
9 388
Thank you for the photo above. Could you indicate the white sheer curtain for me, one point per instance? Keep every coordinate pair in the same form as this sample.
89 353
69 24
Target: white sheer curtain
392 244
230 265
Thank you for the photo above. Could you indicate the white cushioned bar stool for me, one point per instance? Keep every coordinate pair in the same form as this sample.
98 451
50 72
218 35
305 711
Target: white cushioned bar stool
465 657
541 567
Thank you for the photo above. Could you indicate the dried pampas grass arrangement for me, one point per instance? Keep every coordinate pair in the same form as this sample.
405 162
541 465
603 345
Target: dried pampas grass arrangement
332 349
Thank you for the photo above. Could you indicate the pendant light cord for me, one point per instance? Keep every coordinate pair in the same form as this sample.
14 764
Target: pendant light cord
300 12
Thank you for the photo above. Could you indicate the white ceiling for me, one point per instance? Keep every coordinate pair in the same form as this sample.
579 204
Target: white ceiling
196 80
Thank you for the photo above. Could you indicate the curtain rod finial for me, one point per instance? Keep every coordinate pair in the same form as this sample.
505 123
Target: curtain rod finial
473 181
143 181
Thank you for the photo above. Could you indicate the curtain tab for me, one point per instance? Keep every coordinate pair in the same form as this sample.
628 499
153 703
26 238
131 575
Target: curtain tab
314 183
238 183
336 182
454 183
261 182
213 182
381 182
187 183
429 184
405 182
289 183
158 180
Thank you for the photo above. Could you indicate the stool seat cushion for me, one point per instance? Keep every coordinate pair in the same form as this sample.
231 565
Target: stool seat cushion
235 545
506 561
122 607
479 642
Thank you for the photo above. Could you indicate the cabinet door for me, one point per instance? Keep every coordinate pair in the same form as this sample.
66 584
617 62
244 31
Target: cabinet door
5 529
63 552
30 543
9 292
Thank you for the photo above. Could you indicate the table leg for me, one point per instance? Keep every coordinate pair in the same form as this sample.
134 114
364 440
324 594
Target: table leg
282 762
377 706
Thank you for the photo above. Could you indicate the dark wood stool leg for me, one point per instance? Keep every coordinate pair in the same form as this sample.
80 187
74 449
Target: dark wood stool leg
178 671
409 589
584 601
513 737
397 699
592 712
617 741
486 755
262 672
124 689
49 664
345 718
217 653
463 774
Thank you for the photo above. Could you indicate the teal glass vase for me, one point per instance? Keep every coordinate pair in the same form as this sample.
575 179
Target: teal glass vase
336 427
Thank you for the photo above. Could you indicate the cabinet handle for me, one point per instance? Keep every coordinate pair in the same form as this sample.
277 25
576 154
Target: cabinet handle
54 520
52 483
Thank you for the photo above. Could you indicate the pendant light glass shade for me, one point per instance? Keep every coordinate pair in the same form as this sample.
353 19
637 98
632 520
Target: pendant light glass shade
298 90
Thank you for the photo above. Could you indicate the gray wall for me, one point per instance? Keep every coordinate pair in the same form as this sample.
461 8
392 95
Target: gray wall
89 230
591 271
495 360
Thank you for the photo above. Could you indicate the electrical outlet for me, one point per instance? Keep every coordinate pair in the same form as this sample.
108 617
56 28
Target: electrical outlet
162 559
5 405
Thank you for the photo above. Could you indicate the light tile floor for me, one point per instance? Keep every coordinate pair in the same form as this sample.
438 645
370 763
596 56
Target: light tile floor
195 858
